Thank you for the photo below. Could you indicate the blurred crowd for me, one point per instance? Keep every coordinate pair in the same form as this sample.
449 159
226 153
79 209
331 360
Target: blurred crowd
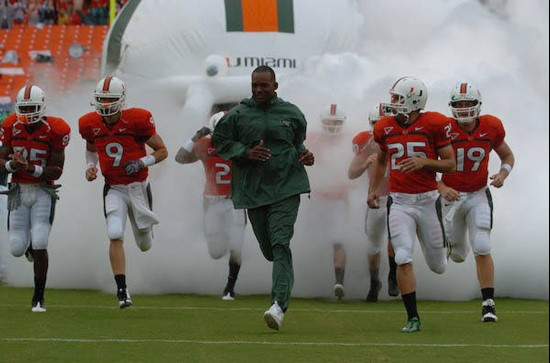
55 12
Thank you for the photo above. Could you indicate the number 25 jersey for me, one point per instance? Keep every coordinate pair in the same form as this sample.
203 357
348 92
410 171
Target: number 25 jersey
421 139
116 145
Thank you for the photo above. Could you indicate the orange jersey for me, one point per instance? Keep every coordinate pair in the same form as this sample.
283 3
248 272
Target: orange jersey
472 151
123 142
52 135
421 139
218 171
364 146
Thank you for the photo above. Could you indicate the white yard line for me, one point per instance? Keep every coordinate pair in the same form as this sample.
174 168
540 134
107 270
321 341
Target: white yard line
252 342
312 310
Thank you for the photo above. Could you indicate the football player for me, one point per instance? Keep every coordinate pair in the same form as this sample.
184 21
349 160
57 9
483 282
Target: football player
365 150
223 225
416 145
33 153
470 203
116 137
330 188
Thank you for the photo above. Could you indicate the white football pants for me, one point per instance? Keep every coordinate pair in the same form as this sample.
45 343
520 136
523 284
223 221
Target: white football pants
223 227
412 215
376 227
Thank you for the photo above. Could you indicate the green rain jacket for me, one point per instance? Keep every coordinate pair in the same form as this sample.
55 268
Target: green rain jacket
282 126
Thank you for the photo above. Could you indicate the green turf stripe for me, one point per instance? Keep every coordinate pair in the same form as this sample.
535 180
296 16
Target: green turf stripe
285 15
233 16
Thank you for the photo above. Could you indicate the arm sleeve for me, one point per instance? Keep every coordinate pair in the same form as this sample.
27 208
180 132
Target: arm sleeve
225 140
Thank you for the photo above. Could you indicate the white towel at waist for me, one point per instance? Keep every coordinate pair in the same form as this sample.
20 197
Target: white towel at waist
143 215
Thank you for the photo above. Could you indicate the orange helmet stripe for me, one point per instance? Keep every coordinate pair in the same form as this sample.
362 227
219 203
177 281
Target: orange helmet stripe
27 93
463 88
333 109
107 83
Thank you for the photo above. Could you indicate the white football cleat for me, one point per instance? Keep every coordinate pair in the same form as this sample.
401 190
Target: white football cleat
38 307
274 316
339 291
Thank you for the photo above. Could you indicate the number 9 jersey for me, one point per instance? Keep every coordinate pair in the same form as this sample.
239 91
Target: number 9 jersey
116 145
53 134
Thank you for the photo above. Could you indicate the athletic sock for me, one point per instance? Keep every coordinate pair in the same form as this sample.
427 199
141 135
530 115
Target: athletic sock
487 293
393 265
39 287
120 281
233 274
410 304
339 274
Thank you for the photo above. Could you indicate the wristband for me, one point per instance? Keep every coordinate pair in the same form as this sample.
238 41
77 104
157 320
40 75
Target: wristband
8 167
188 145
91 159
148 160
38 170
506 167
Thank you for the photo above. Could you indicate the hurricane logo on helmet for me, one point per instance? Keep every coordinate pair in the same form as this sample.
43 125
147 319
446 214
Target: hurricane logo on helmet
109 96
465 102
332 120
30 104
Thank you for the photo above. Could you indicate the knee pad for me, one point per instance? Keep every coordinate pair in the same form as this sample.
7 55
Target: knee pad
145 242
18 246
402 258
115 229
438 267
40 234
481 245
216 251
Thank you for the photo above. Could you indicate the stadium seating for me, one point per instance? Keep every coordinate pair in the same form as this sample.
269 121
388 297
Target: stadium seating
51 41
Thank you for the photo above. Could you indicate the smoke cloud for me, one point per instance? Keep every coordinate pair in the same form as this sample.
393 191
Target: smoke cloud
505 53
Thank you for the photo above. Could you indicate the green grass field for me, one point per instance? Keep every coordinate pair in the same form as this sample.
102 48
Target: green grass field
87 326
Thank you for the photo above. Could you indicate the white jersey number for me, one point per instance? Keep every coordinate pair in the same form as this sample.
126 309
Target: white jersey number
35 154
411 152
475 154
115 151
224 170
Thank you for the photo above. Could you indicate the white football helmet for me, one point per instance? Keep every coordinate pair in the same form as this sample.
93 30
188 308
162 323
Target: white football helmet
408 94
465 92
332 120
214 119
377 113
30 104
113 88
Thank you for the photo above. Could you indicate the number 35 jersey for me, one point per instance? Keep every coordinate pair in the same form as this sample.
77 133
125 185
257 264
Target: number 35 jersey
53 134
116 145
421 139
218 171
472 151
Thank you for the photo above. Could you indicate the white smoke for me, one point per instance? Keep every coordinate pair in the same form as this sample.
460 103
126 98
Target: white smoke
442 43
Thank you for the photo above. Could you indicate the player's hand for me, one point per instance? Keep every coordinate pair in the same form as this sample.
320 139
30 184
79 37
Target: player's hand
259 152
18 162
202 132
498 179
133 166
449 194
412 164
91 174
373 200
370 160
306 158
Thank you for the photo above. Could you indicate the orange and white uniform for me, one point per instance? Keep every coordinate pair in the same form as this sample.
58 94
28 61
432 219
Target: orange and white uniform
223 225
375 219
474 209
32 220
413 206
125 196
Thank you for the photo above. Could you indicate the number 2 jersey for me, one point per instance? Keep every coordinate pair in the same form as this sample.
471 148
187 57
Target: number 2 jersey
421 139
53 134
218 170
472 151
116 145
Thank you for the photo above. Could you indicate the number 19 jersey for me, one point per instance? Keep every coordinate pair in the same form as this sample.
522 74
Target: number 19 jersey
472 151
421 139
116 145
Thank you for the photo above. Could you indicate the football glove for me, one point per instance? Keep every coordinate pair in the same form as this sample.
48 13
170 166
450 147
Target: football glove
133 166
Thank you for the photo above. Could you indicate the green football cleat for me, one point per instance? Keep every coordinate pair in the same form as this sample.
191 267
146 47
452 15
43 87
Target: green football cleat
413 325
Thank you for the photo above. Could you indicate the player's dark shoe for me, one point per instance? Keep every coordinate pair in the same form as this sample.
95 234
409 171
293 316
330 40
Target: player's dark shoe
375 287
124 299
412 326
339 291
29 254
488 311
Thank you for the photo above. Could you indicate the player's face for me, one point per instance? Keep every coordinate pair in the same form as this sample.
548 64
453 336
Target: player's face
263 87
466 105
